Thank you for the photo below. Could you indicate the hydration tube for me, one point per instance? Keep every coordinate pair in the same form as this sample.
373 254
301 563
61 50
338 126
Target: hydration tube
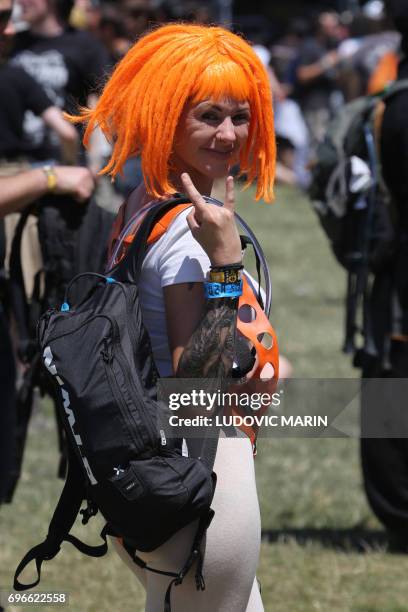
259 252
138 216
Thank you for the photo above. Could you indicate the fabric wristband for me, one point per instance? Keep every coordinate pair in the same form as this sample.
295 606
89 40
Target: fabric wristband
51 177
221 290
225 276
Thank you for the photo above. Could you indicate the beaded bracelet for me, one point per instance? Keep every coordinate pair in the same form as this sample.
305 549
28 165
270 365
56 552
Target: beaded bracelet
233 266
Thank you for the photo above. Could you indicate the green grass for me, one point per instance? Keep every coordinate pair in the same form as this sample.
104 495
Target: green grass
308 285
326 550
94 585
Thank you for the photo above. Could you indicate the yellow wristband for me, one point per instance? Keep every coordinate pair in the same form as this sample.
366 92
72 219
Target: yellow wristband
225 276
51 177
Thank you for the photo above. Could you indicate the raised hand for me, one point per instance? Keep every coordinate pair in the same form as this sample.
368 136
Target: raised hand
213 226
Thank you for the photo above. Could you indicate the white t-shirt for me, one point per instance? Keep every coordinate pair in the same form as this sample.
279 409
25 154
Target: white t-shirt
175 258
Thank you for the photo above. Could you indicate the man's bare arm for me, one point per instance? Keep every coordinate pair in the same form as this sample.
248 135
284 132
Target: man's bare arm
17 191
310 72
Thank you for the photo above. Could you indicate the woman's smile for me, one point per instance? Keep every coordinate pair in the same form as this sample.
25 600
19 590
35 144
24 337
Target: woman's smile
219 153
209 138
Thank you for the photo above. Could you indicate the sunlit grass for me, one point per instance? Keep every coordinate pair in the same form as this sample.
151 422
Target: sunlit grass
306 486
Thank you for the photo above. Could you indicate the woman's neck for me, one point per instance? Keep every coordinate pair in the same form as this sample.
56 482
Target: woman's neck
140 197
202 183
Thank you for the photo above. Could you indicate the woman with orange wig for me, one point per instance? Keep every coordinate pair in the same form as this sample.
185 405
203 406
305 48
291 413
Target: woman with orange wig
193 101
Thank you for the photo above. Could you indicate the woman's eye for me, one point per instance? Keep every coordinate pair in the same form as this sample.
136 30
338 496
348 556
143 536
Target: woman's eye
241 118
209 116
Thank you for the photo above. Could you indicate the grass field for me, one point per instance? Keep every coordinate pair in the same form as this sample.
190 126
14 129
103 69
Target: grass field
323 550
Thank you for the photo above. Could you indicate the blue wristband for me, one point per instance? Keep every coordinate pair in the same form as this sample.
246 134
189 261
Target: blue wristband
221 290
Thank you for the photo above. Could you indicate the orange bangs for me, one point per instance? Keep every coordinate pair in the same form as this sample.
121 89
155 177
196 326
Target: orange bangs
141 104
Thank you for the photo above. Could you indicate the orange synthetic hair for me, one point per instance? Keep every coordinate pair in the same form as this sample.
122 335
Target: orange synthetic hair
141 104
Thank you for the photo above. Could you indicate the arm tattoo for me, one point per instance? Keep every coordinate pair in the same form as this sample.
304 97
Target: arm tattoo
210 351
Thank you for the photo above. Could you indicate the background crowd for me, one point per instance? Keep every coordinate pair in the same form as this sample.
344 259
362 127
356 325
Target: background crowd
58 53
316 63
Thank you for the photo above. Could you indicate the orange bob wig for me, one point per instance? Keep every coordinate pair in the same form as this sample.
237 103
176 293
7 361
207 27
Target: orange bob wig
141 104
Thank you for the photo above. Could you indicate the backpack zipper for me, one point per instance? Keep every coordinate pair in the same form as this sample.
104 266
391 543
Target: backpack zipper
135 382
127 415
121 358
117 353
137 385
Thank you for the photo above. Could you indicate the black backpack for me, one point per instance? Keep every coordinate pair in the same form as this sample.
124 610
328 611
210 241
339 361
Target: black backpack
98 355
354 205
73 239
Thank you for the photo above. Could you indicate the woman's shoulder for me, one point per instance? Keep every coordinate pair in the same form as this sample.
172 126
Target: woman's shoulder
135 202
177 255
176 235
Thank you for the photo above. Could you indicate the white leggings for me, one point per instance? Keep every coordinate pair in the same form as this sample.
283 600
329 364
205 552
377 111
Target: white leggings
231 547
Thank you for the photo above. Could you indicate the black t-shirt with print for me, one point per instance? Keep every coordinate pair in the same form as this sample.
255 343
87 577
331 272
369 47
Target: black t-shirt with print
314 94
19 92
69 67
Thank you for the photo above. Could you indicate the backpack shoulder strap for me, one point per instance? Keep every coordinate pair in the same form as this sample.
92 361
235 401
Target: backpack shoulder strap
377 120
162 225
130 265
379 109
61 523
117 242
17 290
394 88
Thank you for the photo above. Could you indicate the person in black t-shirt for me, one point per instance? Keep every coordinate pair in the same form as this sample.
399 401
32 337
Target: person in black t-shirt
69 64
316 79
16 192
19 92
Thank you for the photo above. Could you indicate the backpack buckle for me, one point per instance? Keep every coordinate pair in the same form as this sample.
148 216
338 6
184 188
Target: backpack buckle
106 352
88 512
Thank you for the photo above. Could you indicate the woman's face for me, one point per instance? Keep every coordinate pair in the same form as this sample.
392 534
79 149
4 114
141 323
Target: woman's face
209 137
